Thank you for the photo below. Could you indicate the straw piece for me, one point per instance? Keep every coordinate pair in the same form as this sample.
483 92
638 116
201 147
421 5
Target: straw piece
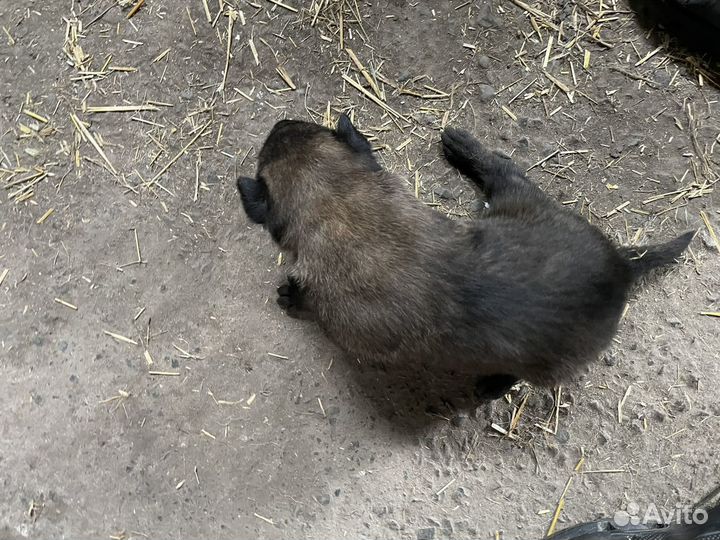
119 337
559 508
169 164
358 64
373 98
120 108
135 9
710 229
285 76
46 215
621 404
66 304
282 5
35 116
89 138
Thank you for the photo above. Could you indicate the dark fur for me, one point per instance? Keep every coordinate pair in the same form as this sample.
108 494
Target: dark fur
529 291
696 23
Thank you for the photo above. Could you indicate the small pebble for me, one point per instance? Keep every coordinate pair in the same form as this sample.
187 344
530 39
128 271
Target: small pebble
621 147
536 123
425 119
674 321
634 140
442 192
563 436
486 18
547 149
483 61
487 92
479 205
663 78
523 143
707 241
426 534
459 420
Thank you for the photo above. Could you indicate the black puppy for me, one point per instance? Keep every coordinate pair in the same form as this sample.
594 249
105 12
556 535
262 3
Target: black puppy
529 291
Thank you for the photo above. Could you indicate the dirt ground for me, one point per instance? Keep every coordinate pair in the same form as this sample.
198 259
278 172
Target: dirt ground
150 386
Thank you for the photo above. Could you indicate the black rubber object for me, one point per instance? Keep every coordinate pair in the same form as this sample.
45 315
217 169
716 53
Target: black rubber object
605 529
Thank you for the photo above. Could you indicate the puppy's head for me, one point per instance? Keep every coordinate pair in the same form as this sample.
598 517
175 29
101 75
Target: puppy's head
299 164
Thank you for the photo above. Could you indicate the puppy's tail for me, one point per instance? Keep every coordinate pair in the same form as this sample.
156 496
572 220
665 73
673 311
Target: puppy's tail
642 259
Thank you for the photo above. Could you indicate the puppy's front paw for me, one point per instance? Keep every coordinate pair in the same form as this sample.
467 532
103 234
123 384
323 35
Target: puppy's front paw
460 148
468 155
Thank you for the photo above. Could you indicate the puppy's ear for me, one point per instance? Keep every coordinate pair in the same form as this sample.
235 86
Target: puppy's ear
346 132
255 198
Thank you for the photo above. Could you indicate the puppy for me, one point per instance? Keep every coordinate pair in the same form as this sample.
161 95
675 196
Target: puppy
531 290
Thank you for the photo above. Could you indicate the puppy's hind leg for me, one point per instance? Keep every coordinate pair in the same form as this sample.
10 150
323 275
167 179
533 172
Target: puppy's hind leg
292 298
494 386
494 174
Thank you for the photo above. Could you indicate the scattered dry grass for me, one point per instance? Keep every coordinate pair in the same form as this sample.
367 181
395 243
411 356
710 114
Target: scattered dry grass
559 57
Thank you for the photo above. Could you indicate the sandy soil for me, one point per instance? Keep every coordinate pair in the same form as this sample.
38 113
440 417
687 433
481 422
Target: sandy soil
249 424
